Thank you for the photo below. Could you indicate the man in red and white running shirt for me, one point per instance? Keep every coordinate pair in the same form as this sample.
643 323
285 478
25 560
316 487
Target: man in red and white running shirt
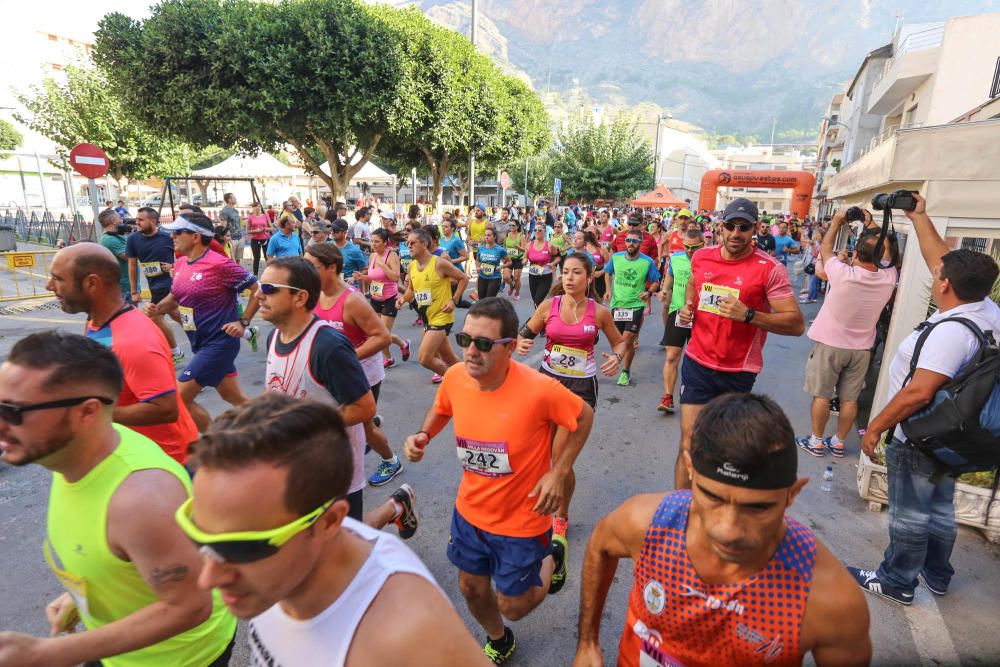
736 295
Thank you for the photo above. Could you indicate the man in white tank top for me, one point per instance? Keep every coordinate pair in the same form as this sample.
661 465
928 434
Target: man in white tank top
269 514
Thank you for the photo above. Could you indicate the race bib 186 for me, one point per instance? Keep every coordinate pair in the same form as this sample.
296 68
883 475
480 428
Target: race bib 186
488 459
712 295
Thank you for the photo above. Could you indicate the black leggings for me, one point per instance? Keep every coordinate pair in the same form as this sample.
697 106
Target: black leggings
258 247
539 287
486 287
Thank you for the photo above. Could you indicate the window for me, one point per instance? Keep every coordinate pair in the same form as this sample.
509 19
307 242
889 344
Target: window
53 38
995 88
976 244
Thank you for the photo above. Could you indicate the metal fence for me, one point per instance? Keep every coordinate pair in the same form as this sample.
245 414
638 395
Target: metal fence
24 275
46 229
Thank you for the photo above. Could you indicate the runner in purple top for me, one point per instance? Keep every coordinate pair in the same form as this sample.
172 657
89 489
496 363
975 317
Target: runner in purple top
205 290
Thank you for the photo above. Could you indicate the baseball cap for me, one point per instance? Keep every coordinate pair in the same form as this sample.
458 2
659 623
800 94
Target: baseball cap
740 208
684 213
339 225
196 224
388 214
481 207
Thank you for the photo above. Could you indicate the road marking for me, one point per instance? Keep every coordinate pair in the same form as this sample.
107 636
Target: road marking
50 320
930 634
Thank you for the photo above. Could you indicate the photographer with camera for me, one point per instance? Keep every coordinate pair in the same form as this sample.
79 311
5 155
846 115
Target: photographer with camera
113 238
921 488
843 334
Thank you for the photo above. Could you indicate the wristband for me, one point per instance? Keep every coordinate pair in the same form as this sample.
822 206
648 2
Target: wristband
749 315
244 322
425 433
526 332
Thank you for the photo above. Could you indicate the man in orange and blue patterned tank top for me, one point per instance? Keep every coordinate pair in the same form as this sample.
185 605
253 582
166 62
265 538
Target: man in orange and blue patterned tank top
722 575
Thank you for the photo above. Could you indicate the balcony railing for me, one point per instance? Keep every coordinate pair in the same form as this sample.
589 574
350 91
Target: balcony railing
915 41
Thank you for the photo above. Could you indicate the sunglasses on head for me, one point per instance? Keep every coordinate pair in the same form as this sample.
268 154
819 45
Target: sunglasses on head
14 414
482 344
244 546
271 288
743 226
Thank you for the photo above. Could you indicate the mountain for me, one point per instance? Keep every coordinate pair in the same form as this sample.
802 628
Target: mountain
728 66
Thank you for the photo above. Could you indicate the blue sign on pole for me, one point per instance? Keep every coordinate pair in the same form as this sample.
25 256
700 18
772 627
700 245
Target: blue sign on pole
558 186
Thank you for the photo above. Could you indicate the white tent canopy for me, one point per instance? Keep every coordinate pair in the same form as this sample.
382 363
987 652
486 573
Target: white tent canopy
370 173
237 166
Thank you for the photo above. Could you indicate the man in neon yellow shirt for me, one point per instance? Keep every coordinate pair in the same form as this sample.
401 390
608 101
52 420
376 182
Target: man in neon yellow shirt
129 572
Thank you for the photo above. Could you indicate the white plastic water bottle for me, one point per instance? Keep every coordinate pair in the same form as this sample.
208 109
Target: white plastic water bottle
827 479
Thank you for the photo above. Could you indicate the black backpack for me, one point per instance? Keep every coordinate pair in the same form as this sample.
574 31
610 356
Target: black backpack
960 428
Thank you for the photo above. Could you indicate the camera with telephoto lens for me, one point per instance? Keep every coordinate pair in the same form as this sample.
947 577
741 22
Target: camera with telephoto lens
901 200
855 214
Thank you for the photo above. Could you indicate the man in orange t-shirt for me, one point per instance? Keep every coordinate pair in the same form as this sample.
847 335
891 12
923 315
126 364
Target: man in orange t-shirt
515 471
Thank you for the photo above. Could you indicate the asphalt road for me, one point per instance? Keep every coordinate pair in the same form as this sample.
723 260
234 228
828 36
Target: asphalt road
631 450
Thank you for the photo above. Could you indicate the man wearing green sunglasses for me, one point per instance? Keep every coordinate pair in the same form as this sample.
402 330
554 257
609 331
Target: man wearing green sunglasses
269 515
129 573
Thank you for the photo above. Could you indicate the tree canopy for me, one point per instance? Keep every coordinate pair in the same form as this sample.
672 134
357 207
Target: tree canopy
320 75
85 109
10 138
602 161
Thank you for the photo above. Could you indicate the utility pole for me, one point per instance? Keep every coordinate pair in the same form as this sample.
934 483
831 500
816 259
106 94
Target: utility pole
774 124
472 151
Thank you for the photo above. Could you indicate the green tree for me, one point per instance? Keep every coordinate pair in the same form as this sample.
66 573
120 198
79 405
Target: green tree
84 109
602 161
10 138
465 104
324 76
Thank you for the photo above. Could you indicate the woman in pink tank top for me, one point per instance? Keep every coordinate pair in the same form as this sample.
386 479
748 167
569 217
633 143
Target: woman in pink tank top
572 320
382 277
348 311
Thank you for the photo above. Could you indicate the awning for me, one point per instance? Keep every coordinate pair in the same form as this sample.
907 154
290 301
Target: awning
659 197
261 166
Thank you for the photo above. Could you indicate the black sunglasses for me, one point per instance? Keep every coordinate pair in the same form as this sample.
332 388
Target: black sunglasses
635 241
482 344
744 226
14 414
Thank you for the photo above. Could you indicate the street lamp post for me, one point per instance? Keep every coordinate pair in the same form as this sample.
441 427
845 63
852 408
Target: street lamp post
472 152
656 148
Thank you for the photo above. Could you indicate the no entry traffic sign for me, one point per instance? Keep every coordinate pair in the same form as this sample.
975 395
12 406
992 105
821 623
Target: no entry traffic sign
89 160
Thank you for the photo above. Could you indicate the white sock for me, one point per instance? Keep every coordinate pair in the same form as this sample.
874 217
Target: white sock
176 350
397 506
835 440
815 440
394 460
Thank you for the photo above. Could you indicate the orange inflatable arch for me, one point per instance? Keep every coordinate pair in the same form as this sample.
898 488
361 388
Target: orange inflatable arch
801 181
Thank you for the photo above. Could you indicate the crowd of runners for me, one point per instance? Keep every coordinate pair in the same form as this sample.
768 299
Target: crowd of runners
166 525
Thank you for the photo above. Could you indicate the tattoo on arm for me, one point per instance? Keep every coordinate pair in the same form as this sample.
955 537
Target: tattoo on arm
169 574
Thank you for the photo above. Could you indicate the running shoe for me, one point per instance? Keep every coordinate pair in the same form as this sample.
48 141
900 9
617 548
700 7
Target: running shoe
407 522
933 589
559 525
835 449
559 550
389 362
385 472
869 582
178 358
252 338
666 404
624 378
474 295
405 349
835 405
499 650
805 442
418 322
436 378
517 297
